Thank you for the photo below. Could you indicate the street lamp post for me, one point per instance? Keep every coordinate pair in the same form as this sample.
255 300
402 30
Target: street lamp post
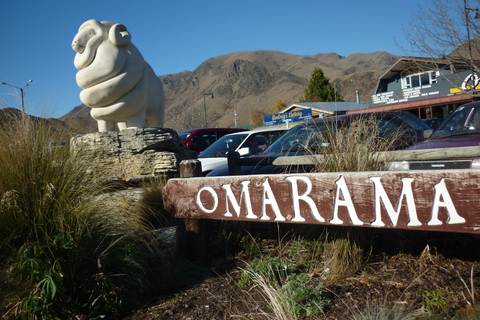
21 92
205 105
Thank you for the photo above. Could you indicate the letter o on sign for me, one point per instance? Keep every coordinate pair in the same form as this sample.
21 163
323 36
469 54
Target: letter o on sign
213 195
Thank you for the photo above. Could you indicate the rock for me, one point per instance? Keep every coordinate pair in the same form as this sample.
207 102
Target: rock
133 154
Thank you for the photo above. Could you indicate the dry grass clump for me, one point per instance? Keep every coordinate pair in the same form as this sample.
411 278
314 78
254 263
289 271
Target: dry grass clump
280 304
152 203
343 255
66 252
355 147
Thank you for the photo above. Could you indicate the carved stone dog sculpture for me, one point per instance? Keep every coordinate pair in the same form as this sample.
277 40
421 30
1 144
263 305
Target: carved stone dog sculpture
119 86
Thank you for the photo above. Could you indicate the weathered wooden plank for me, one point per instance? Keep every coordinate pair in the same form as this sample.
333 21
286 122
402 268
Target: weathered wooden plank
443 200
195 229
400 155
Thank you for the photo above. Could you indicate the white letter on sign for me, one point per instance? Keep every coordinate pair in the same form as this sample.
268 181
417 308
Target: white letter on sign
347 202
296 199
236 205
269 198
214 196
381 195
453 217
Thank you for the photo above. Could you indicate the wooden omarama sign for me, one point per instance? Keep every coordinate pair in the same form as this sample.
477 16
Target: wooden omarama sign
435 200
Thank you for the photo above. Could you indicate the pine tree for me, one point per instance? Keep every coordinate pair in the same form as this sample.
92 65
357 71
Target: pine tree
319 89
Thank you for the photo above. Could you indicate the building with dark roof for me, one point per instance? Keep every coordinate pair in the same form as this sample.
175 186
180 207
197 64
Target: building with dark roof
428 88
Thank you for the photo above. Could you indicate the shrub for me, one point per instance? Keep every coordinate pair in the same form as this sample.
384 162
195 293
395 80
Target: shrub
289 293
67 250
270 268
355 147
306 299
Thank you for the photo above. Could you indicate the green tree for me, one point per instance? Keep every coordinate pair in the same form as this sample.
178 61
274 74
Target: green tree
319 88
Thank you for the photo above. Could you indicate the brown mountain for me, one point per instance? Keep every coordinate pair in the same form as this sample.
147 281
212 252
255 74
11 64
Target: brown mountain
243 82
56 129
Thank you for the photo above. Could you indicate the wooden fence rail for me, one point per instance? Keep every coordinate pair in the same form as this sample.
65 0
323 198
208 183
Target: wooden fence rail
235 161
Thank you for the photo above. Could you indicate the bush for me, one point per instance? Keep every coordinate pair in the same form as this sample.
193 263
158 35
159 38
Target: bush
270 268
67 252
289 292
306 299
354 147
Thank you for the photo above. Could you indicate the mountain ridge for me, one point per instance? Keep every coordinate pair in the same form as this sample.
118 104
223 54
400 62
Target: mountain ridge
245 81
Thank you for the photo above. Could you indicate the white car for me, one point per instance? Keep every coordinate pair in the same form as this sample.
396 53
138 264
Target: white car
246 143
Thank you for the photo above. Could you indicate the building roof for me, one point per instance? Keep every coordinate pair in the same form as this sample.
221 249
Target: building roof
411 65
327 107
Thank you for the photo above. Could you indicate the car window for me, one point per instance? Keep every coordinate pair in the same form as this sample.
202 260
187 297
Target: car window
223 145
303 138
204 139
221 133
255 142
463 121
413 121
380 126
184 135
391 128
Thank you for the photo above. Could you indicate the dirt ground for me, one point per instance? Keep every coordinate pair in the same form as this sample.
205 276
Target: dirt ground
401 281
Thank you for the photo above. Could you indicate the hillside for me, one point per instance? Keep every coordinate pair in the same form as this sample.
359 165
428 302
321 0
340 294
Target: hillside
253 80
59 130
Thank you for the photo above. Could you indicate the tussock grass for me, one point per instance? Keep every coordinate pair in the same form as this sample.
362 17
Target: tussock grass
280 304
152 203
344 252
355 147
66 250
380 311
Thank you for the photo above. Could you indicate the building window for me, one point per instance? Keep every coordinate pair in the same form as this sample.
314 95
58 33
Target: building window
419 79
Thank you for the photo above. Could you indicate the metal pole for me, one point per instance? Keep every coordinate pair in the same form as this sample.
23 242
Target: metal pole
205 109
23 104
470 58
205 105
21 93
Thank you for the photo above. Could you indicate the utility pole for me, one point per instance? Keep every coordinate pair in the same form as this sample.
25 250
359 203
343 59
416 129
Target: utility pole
205 105
21 92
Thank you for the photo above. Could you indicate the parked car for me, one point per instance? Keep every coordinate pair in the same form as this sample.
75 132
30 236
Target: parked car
433 123
245 143
200 139
305 139
460 129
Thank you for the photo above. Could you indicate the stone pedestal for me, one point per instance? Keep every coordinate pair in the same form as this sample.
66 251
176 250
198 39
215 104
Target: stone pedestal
134 154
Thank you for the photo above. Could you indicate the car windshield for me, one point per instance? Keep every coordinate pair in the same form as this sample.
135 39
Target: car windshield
463 121
227 143
184 135
303 138
413 121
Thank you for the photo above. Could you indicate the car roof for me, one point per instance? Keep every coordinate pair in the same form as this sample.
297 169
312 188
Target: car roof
257 131
471 104
353 115
215 129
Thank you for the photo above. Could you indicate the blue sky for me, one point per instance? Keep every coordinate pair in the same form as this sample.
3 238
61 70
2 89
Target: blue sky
179 35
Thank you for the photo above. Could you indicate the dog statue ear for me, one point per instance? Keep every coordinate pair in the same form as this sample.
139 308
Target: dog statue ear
119 35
